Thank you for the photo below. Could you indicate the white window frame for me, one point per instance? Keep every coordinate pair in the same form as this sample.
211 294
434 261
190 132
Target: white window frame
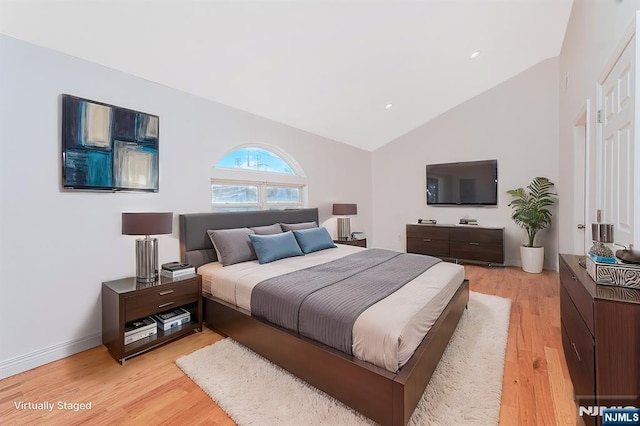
262 203
261 179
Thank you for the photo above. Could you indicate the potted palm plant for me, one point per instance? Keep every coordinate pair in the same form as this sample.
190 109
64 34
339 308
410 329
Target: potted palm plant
530 212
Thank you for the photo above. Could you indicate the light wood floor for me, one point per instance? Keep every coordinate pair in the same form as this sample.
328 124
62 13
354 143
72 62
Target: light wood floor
151 389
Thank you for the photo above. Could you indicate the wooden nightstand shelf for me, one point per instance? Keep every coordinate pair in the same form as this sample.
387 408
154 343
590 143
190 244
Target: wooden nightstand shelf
362 242
127 300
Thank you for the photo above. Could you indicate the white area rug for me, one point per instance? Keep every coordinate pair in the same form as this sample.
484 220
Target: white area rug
465 388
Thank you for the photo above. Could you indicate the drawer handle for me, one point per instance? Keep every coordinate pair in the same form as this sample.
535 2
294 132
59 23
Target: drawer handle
573 277
164 293
426 240
164 305
576 351
474 244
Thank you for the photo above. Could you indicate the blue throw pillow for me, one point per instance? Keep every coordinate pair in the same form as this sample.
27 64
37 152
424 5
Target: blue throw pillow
313 239
275 246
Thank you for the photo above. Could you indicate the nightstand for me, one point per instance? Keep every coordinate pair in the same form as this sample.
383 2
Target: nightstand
126 300
362 242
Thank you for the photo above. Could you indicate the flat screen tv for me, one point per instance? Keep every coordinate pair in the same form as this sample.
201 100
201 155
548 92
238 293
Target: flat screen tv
471 183
105 147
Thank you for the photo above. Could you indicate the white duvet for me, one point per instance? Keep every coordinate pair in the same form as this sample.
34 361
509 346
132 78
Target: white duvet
386 334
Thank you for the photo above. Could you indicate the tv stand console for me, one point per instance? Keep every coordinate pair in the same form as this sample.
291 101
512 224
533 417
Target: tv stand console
459 243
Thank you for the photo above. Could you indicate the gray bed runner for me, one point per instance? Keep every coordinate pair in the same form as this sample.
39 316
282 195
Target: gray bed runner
323 302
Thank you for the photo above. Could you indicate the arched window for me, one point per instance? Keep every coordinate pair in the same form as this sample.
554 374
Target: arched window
255 158
257 177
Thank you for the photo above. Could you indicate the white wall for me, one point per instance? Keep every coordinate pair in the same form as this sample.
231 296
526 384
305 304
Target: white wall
515 122
57 247
594 34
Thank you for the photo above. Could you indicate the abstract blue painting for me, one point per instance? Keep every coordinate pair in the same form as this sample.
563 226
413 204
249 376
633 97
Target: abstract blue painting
105 147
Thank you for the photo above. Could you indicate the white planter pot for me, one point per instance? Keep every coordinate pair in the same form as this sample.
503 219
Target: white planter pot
532 259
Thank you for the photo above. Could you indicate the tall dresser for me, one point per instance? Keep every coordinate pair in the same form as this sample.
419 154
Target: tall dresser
600 338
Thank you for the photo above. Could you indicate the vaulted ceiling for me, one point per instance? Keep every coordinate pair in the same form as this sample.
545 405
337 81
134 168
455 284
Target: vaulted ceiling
330 67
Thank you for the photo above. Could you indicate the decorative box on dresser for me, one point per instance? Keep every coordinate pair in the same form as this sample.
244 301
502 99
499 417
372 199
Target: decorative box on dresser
126 300
600 338
457 242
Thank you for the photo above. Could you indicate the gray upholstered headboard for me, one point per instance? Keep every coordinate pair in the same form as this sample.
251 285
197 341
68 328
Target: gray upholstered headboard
196 247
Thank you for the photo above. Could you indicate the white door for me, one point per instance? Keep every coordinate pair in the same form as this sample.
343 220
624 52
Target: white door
616 150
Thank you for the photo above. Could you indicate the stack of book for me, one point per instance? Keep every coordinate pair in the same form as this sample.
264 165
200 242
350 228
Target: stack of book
176 270
174 318
139 329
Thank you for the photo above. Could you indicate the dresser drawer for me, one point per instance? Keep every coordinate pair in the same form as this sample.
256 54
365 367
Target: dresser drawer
475 235
579 295
600 339
431 247
578 345
428 231
583 398
162 298
477 251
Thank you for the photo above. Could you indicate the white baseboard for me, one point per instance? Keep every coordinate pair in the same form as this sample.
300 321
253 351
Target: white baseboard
44 356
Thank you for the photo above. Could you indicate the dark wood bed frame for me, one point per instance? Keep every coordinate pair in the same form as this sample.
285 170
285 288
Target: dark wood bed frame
385 397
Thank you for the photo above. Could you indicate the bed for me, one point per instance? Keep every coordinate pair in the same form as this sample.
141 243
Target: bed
387 397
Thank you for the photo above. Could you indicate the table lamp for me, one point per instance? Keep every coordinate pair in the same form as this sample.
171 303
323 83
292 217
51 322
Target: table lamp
147 248
344 223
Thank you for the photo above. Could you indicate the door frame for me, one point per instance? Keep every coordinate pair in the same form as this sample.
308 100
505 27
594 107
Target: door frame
582 135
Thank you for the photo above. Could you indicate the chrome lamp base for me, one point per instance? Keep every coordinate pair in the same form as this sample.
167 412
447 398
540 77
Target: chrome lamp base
147 260
344 228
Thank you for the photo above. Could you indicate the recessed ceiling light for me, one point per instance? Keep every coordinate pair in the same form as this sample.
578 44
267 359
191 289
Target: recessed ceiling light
474 54
388 106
